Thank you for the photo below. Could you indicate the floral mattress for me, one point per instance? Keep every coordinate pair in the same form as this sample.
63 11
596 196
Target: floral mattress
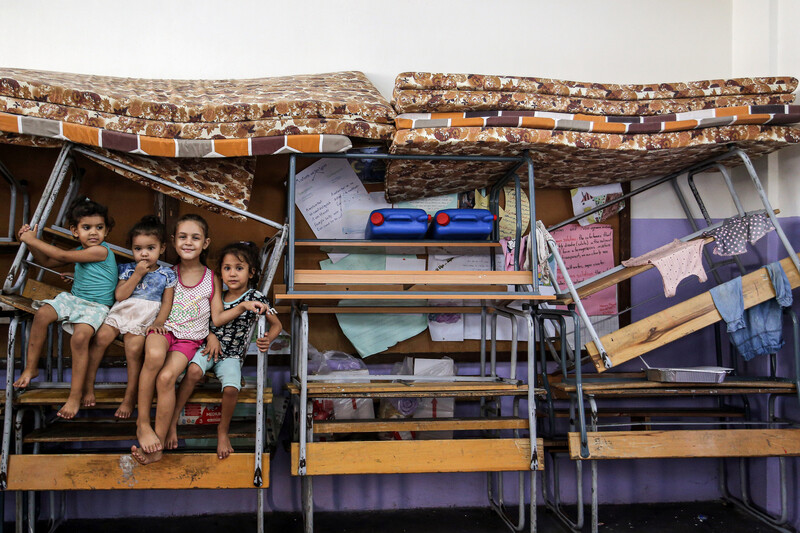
563 159
420 92
721 116
340 103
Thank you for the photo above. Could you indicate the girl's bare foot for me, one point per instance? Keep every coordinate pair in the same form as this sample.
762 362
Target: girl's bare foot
70 409
125 409
148 439
172 439
145 458
25 378
88 399
224 448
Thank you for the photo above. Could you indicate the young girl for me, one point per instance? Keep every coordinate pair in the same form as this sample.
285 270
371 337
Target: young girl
85 308
144 299
168 352
238 269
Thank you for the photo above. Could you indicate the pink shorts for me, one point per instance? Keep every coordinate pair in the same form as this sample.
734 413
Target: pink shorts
187 347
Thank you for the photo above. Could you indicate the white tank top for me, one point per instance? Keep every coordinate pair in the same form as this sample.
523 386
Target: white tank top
191 308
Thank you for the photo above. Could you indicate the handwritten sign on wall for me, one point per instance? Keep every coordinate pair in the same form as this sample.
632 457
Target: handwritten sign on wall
588 251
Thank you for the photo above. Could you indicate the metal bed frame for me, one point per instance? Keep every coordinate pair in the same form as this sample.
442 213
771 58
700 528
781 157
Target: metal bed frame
270 259
572 361
300 328
16 187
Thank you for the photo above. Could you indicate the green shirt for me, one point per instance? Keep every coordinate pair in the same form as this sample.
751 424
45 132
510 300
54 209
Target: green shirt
96 281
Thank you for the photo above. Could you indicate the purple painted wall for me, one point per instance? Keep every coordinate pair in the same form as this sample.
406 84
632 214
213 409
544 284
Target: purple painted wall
620 481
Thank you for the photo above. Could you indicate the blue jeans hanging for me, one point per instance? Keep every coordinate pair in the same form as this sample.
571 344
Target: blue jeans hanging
758 330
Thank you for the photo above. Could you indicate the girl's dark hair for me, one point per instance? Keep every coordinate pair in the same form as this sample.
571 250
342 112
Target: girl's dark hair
83 207
246 252
191 217
148 225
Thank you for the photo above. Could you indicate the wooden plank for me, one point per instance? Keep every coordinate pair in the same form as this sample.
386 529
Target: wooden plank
460 389
419 424
362 310
688 391
688 443
411 277
590 387
682 319
417 456
655 412
126 430
121 471
18 302
398 247
397 244
113 396
36 290
611 280
491 296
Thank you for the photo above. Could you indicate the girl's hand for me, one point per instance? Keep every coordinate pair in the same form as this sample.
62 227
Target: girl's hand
256 307
26 232
157 327
141 268
212 348
263 343
67 277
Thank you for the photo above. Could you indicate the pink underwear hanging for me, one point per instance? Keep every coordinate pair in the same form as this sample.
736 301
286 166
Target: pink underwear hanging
675 261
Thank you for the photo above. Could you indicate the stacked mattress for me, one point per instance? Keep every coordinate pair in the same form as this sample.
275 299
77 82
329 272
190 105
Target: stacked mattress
578 133
141 122
195 118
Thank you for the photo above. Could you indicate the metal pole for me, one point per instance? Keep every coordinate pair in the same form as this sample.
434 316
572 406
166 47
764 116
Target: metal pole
39 216
9 394
532 206
257 480
175 186
303 422
770 212
290 210
579 305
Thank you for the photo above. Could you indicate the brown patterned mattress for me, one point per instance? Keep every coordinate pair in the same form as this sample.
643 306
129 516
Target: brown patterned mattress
609 91
722 116
424 92
341 103
563 159
42 128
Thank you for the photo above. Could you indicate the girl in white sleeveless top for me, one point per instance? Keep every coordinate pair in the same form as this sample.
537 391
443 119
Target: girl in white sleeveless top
169 349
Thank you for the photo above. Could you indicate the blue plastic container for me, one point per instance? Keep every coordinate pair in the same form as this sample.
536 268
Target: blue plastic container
462 225
397 224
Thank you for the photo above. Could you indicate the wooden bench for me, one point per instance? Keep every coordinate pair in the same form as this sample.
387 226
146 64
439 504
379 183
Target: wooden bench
112 397
417 456
457 389
688 443
109 471
682 319
36 290
636 385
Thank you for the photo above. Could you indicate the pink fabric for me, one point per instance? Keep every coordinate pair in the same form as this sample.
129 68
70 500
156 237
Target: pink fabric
186 346
675 261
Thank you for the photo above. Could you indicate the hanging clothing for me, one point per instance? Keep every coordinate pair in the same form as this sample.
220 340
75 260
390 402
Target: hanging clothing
758 330
675 261
734 234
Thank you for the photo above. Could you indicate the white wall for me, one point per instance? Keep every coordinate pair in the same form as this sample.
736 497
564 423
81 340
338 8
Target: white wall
611 41
620 41
764 42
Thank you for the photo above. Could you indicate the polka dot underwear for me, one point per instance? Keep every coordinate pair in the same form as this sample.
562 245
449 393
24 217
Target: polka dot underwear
734 234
